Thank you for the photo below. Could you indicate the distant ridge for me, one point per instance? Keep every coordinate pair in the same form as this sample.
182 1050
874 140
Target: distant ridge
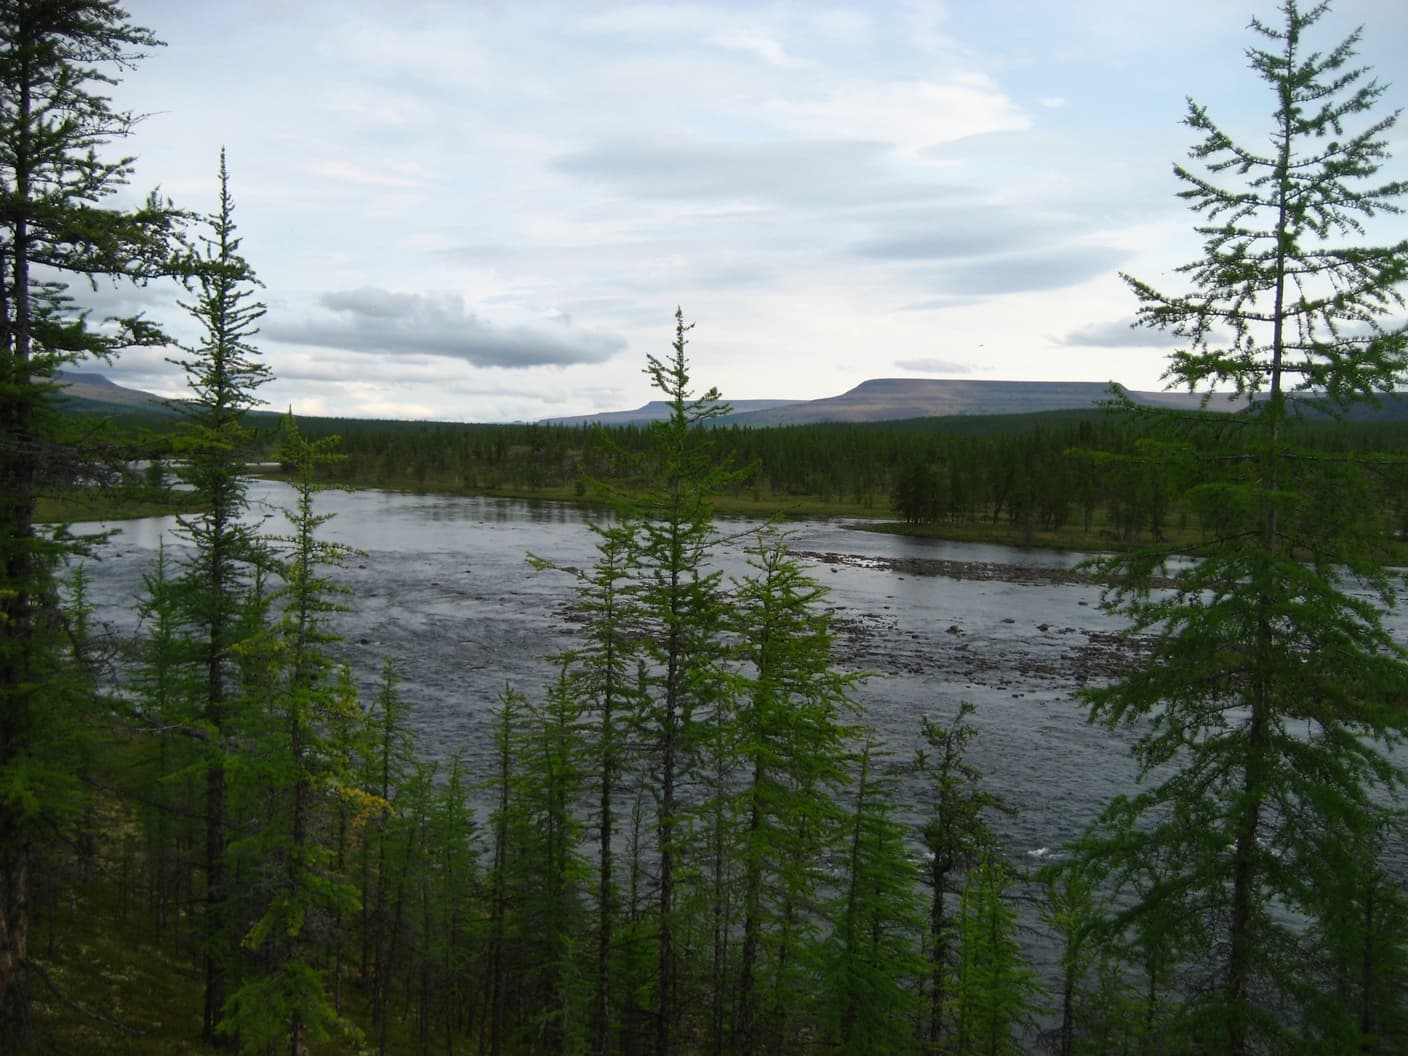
659 410
877 400
88 388
894 399
885 399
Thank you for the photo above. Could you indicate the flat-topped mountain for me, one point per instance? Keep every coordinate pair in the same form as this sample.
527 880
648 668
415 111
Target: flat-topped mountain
659 410
891 399
887 399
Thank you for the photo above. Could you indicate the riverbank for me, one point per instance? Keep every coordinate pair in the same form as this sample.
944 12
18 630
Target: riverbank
102 505
97 504
875 516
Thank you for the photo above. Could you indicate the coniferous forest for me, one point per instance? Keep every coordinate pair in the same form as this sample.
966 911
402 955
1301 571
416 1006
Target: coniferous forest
691 842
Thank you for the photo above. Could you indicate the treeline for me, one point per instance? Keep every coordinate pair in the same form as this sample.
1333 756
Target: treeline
1032 474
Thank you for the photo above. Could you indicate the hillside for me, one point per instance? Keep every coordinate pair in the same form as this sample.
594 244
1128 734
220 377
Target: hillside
892 399
877 400
96 393
658 410
888 399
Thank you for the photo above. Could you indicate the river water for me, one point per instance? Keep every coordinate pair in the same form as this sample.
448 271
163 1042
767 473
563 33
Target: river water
442 586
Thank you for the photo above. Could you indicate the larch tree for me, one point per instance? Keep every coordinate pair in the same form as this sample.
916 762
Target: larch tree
58 59
388 772
602 673
869 992
223 371
680 618
1272 695
994 988
794 743
956 837
294 758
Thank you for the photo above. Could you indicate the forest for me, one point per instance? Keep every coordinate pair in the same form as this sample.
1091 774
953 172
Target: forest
1069 479
1027 478
212 840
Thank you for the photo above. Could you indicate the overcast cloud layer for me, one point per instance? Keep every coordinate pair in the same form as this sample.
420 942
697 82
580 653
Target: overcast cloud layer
489 212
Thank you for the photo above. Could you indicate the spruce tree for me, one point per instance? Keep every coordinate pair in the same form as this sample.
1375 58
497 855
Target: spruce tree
58 58
1272 694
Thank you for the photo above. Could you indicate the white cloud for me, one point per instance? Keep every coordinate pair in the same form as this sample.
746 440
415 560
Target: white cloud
645 19
1048 269
377 105
395 324
1120 333
844 26
778 172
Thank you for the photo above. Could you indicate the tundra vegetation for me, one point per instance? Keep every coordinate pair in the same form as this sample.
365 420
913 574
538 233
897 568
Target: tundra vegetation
693 843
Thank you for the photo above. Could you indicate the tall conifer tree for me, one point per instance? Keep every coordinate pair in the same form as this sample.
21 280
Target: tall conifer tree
794 744
680 614
870 992
57 60
957 837
302 772
602 674
1273 689
223 372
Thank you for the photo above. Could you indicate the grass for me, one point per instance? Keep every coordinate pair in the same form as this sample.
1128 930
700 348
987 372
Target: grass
101 504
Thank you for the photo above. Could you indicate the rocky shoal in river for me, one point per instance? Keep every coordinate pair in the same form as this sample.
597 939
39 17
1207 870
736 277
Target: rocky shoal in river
1072 654
989 570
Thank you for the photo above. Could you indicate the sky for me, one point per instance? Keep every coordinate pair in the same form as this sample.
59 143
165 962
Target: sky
490 211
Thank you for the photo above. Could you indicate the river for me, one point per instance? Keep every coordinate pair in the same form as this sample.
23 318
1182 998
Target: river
442 586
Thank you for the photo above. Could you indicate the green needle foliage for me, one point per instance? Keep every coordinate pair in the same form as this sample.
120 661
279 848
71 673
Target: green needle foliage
57 224
681 618
222 603
792 744
874 962
957 837
301 772
1271 700
994 987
